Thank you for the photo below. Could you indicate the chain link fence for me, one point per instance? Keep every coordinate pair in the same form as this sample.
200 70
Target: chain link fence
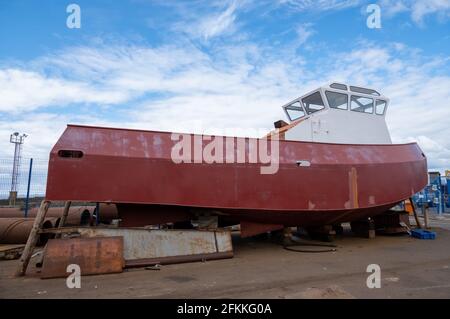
37 180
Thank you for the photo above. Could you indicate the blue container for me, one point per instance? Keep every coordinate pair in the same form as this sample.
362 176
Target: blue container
423 234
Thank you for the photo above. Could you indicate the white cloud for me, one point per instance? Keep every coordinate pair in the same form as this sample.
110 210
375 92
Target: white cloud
22 90
391 8
217 24
418 9
43 129
213 24
319 5
422 8
438 155
304 32
104 76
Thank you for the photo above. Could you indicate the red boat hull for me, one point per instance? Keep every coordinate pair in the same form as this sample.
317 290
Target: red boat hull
342 183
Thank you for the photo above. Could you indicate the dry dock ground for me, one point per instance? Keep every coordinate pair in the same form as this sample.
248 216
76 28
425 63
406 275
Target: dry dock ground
410 268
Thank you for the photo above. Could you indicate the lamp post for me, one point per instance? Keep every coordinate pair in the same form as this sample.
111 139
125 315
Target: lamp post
17 139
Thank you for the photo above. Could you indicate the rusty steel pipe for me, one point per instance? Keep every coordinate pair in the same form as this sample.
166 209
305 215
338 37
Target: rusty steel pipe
78 215
8 212
108 212
17 230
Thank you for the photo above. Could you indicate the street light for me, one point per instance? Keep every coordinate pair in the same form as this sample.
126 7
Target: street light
17 139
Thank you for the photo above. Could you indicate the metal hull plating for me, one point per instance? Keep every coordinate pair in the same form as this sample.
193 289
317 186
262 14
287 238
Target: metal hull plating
343 182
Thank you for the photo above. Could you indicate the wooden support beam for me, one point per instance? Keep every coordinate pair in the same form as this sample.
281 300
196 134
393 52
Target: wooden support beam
65 214
425 215
32 239
415 213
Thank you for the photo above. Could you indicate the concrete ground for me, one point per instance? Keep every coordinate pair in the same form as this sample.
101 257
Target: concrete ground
410 268
436 220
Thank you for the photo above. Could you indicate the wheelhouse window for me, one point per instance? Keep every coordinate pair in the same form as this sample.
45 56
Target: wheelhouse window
339 86
358 89
380 107
361 104
295 111
337 100
313 103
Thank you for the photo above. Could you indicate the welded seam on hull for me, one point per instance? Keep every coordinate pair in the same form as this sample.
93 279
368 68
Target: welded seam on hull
353 187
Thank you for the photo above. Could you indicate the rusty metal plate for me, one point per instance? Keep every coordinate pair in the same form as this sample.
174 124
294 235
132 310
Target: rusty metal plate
99 255
146 243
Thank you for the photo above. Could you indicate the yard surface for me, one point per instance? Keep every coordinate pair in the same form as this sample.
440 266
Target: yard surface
410 268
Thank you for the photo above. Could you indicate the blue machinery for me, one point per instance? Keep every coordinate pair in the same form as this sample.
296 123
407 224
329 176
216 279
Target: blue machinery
436 194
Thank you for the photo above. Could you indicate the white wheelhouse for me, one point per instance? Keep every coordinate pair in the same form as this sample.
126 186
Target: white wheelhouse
321 115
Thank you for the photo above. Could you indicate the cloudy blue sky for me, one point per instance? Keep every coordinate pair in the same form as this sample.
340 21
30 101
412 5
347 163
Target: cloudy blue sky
217 66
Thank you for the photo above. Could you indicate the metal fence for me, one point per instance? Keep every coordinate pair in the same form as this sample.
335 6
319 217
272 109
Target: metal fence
29 181
436 197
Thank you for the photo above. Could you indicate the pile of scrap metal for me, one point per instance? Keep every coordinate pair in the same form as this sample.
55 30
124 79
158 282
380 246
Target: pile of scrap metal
103 247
